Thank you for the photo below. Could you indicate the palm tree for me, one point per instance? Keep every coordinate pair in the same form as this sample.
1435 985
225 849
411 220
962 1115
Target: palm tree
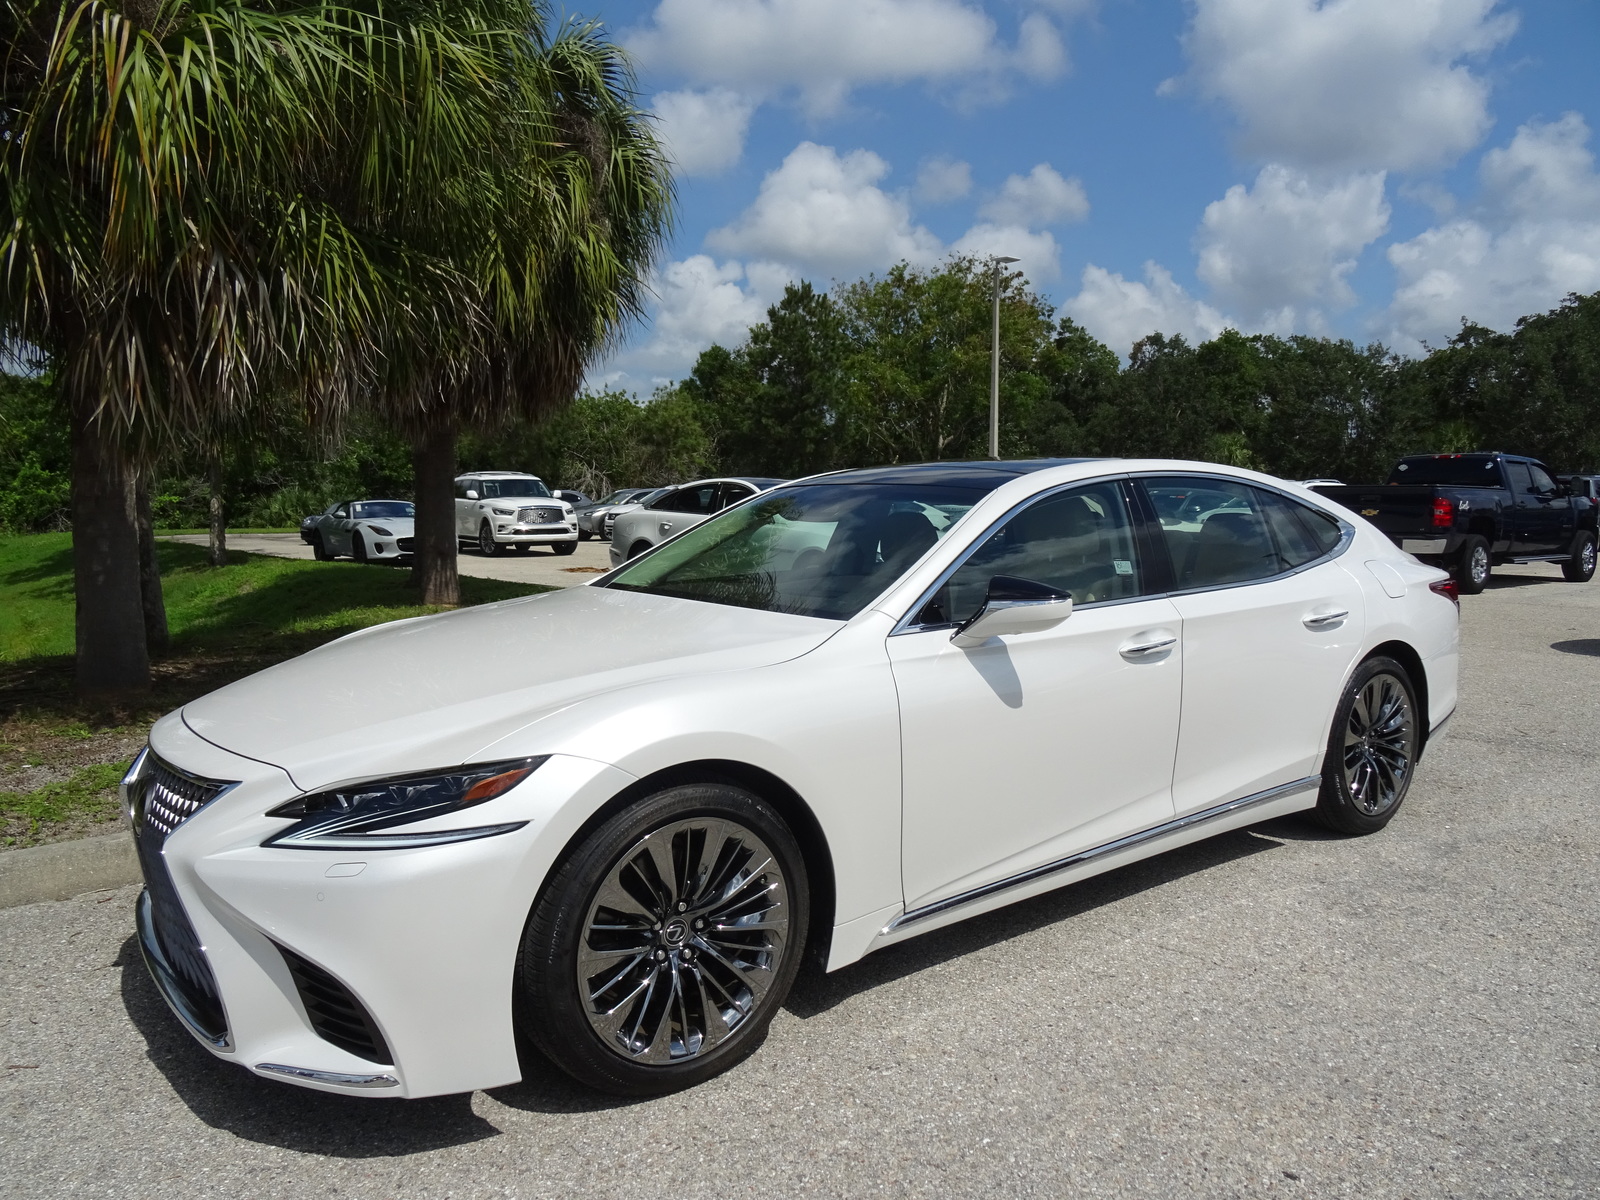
576 208
198 203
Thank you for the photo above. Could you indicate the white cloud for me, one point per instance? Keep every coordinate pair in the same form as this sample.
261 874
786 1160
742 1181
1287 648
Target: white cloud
1121 311
698 301
942 179
823 49
1038 257
1534 237
703 131
823 212
1350 84
1289 242
1040 197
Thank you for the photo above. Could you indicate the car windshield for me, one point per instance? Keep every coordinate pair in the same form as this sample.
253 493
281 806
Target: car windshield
819 550
369 509
1460 470
621 497
512 489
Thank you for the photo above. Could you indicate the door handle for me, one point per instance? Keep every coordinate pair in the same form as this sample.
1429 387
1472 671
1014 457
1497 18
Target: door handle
1145 649
1325 620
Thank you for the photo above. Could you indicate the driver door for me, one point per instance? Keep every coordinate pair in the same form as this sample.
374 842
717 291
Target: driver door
1033 747
337 530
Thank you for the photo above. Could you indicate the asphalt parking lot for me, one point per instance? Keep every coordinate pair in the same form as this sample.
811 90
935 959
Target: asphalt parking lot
539 565
1272 1013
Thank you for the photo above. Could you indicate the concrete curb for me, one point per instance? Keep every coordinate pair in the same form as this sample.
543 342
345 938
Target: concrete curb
63 870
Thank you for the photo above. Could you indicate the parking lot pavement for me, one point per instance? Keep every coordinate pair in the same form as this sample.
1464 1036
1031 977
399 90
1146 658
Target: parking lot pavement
589 559
1276 1012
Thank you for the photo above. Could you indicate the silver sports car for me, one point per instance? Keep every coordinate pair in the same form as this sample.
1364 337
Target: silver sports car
365 530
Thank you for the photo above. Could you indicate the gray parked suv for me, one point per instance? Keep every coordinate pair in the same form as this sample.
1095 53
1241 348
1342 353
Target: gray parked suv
677 509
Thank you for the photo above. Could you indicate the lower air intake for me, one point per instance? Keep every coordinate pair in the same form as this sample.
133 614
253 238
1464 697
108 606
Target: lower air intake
335 1014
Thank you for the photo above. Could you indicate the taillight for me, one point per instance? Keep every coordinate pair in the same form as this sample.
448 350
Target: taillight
1448 589
1444 514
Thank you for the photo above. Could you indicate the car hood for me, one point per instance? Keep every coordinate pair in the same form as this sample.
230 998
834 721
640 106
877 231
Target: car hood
399 526
432 691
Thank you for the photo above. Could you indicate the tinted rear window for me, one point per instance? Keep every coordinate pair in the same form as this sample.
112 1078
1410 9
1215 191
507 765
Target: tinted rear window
1460 470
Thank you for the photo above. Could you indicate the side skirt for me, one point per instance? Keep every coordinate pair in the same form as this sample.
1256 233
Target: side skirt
1235 814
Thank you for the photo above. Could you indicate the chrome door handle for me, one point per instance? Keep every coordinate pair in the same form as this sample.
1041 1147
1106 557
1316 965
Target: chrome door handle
1325 619
1145 649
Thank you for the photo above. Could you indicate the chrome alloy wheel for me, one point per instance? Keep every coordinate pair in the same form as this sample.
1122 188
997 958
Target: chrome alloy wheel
1379 745
1586 557
682 940
486 543
1478 565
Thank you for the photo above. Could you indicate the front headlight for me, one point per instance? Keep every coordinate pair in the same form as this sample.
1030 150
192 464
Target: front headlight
353 817
505 512
380 531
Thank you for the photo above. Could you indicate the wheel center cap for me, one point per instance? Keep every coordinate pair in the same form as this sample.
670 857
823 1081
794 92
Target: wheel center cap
675 932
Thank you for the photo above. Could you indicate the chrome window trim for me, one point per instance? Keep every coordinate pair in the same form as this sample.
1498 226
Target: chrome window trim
1155 832
1347 531
906 623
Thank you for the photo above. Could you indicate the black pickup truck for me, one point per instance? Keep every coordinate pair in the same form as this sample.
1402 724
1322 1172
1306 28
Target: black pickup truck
1467 512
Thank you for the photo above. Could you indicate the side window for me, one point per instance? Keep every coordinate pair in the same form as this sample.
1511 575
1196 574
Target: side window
732 493
1303 534
462 486
1080 542
1541 481
699 500
1215 529
1521 480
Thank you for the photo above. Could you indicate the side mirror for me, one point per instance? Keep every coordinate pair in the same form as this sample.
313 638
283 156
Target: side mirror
471 495
1013 605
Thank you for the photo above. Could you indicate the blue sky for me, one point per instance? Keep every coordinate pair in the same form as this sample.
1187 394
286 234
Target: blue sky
1370 169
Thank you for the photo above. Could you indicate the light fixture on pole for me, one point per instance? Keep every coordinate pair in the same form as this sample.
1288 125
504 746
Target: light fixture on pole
994 363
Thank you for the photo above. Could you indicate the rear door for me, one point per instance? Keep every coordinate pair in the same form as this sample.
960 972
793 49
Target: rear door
683 509
1272 623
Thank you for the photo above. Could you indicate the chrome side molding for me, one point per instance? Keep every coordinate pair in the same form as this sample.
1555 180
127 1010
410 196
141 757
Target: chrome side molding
911 916
333 1077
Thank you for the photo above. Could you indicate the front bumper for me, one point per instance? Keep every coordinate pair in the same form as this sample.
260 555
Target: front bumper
423 941
538 535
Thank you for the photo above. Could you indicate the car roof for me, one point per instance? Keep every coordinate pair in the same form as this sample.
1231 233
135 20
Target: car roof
983 474
498 475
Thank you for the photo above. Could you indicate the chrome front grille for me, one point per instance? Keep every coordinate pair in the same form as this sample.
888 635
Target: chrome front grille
540 516
164 799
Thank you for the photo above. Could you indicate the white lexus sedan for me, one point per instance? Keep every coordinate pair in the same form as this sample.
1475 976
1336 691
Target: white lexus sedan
607 823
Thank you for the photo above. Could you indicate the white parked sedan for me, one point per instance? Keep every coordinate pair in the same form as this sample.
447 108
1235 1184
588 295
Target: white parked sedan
610 820
365 530
672 510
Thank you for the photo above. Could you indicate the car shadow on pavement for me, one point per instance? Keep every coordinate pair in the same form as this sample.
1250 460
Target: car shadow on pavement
1589 646
815 993
230 1098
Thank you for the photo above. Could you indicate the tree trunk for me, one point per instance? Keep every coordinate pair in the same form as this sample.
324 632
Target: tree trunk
154 604
112 660
219 527
433 456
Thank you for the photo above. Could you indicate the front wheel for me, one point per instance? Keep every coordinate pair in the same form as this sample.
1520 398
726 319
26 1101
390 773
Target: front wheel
1372 749
319 549
1473 566
563 547
1579 568
660 949
358 546
584 535
487 546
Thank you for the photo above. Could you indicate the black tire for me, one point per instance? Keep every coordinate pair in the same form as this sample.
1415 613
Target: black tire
319 550
1372 755
1473 566
563 547
487 546
358 546
637 549
556 1013
584 535
1579 568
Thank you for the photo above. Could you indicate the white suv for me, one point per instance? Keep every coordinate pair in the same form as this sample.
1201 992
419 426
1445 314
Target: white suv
497 509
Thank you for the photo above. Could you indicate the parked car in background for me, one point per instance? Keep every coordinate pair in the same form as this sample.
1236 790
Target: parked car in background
1586 487
1467 512
609 822
609 521
676 509
365 530
576 499
500 509
308 525
591 516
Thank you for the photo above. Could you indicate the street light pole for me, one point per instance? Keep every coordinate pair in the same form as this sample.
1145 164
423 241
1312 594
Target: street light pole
994 363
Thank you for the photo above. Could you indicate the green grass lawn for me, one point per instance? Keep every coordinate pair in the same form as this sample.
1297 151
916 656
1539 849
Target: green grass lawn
226 622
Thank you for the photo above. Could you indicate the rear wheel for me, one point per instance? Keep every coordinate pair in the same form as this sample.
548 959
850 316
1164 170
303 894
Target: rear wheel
1579 568
584 535
661 948
1473 566
563 547
487 546
1372 749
